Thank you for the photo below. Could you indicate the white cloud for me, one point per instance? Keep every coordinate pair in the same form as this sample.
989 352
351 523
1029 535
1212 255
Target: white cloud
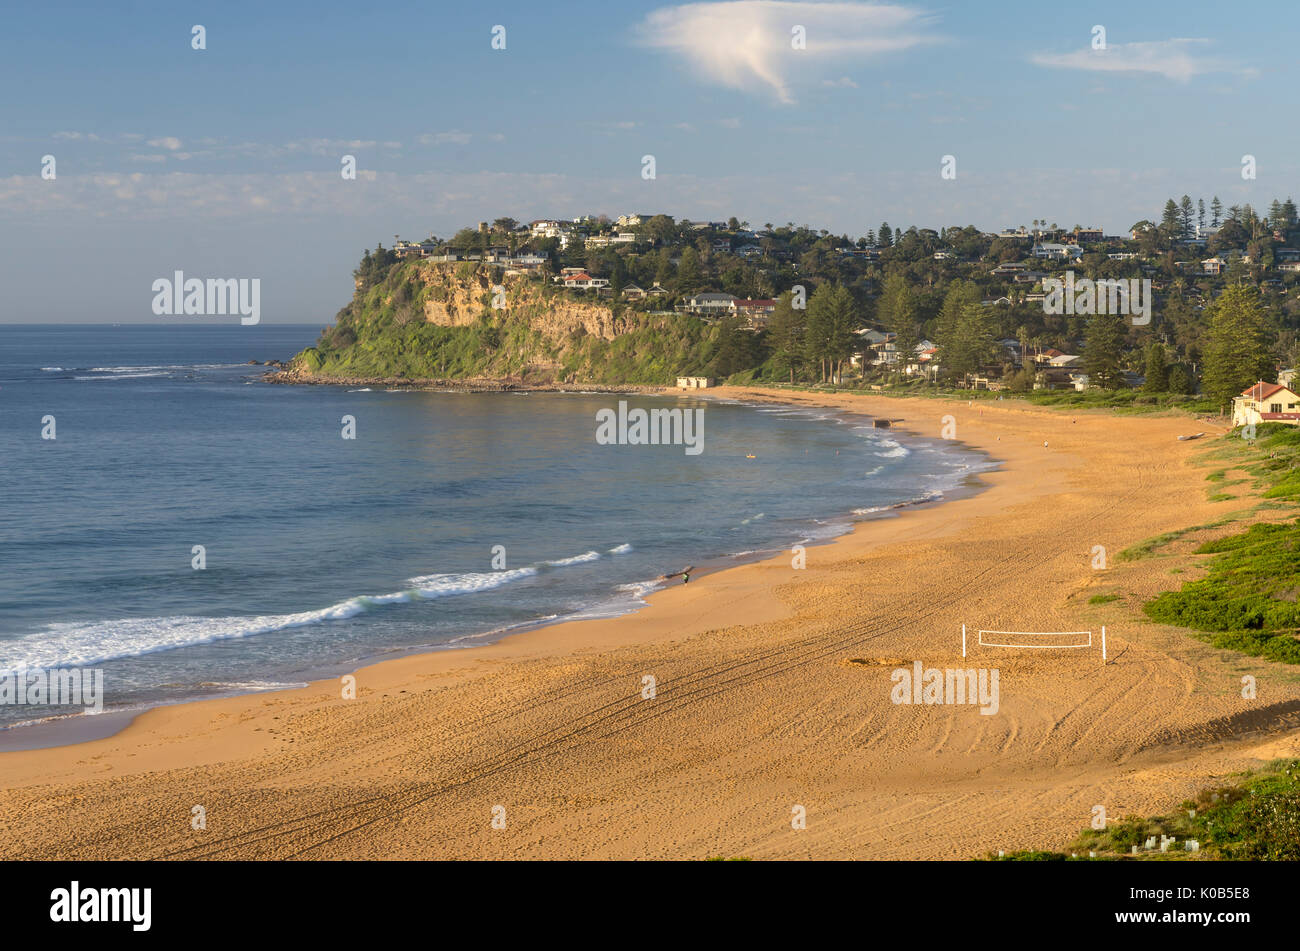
746 44
843 83
169 142
455 137
1176 59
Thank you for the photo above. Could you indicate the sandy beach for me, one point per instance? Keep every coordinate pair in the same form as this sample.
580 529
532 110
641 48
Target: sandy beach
771 691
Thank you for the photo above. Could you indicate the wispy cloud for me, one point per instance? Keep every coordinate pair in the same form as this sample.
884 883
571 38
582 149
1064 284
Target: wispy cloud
454 136
747 44
1179 59
842 83
169 142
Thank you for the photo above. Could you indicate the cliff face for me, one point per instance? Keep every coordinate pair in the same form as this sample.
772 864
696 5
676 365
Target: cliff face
456 299
427 321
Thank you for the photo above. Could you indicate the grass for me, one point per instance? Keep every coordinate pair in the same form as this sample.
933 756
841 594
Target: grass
1256 818
1103 598
1147 548
1248 599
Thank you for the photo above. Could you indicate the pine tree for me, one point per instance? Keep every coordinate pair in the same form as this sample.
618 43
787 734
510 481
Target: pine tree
1238 347
1103 350
898 314
1216 212
785 334
1157 373
885 235
1180 381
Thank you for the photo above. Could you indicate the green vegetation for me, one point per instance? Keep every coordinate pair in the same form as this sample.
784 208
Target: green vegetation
914 310
1255 819
1103 598
1247 601
382 334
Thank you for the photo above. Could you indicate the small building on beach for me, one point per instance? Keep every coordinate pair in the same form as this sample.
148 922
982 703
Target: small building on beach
1266 403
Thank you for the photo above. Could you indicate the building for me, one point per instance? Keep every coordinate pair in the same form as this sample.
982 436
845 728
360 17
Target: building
1266 403
694 382
1213 265
584 282
607 240
1058 252
710 304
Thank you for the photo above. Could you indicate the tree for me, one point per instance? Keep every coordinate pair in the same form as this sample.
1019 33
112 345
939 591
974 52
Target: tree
1103 350
971 341
885 235
1200 213
1216 211
736 348
785 334
1185 213
897 312
688 271
1238 349
1157 373
1180 381
1171 223
828 337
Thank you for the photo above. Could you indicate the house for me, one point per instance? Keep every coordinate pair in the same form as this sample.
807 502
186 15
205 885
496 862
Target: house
1122 255
584 281
996 301
694 382
1289 267
1266 403
1065 360
1087 234
756 311
1286 377
1009 269
709 304
657 289
608 240
632 292
631 221
1058 252
945 256
1213 265
1286 254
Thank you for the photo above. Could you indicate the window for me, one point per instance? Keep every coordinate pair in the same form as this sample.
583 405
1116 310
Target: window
1275 407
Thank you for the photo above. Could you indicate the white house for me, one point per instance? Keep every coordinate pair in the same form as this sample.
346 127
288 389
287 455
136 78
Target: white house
1058 252
1266 403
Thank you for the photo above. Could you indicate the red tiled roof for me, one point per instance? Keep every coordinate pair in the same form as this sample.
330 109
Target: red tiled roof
1262 390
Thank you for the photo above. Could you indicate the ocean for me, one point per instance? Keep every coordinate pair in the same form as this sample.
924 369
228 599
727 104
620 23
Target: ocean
193 531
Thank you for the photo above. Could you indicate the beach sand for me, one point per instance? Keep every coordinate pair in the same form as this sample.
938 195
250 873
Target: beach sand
772 691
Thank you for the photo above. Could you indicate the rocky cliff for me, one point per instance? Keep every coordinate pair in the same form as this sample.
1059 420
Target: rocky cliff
426 321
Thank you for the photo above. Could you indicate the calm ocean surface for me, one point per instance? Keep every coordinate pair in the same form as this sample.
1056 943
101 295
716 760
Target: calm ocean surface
322 552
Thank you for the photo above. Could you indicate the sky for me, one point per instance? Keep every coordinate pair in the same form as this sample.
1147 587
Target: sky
226 161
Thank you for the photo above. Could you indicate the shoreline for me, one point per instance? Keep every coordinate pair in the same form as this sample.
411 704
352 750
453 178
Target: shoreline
768 694
73 729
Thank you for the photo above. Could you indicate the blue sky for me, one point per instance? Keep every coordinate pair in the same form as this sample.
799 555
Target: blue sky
224 162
